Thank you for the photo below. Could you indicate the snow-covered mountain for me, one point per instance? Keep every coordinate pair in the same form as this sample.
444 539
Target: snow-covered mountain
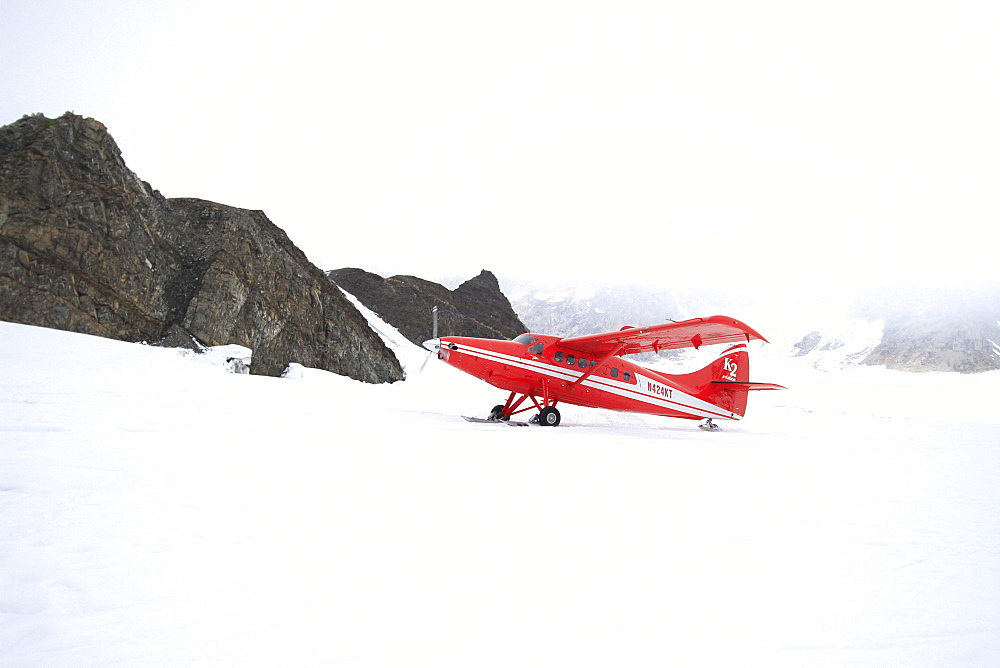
914 329
946 329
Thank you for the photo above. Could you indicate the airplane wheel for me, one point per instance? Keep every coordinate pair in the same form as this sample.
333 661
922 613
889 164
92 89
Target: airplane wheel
497 413
549 417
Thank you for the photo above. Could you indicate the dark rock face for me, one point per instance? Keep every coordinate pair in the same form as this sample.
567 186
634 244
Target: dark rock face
936 330
475 308
86 246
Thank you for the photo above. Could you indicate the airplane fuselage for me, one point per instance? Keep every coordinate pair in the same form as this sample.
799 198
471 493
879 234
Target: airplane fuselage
536 366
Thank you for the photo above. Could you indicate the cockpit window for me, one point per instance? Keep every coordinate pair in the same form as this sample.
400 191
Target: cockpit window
528 340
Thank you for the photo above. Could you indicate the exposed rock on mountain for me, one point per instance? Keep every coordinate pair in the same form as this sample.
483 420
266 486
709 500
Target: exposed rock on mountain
808 343
86 246
475 308
936 330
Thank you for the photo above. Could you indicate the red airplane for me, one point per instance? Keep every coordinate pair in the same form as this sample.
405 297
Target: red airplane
588 371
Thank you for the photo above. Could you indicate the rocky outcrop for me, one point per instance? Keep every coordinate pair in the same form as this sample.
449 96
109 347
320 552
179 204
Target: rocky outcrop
927 329
86 246
475 308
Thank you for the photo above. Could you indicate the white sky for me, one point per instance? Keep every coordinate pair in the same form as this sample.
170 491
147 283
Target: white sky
737 142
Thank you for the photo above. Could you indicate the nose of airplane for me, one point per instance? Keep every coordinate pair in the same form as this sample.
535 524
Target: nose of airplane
438 346
431 346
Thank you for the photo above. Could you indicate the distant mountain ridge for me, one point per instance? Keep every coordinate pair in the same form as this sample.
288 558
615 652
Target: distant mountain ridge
476 308
909 330
943 330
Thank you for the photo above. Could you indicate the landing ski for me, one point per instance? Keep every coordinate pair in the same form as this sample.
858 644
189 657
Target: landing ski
512 423
708 425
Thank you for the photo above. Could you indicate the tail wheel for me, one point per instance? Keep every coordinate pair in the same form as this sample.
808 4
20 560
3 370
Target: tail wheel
549 417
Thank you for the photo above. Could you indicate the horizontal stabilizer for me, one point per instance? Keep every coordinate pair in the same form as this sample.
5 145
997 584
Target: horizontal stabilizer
729 385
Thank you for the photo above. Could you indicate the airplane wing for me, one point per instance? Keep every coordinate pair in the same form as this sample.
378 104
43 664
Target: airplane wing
693 333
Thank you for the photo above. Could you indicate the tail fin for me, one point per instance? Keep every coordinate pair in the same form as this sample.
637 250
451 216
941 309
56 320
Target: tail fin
725 382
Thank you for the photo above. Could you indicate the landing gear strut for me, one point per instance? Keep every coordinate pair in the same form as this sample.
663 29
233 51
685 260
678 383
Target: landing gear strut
548 417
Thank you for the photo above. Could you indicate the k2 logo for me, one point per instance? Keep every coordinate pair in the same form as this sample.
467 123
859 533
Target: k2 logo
730 366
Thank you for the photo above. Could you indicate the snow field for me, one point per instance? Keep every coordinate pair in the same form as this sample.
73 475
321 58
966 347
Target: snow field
156 510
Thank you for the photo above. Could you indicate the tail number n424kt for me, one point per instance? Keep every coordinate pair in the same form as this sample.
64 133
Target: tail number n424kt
654 388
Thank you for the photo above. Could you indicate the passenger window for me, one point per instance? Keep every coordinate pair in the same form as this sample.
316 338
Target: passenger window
559 356
627 377
614 372
571 359
583 363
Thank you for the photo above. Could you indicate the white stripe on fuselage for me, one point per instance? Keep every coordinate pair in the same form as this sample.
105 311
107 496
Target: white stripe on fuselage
679 401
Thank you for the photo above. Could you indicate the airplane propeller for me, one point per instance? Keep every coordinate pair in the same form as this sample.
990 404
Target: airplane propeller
432 345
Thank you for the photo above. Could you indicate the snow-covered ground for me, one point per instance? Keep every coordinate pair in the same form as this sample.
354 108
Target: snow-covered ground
156 510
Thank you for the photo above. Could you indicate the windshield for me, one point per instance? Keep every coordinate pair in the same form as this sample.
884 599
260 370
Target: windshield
528 339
